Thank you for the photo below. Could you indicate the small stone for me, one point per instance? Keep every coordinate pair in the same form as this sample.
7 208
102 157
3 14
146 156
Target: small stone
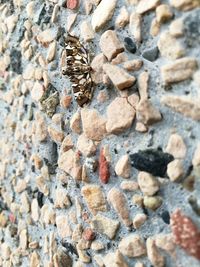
129 186
120 58
123 168
88 7
152 203
143 80
65 101
35 210
72 4
5 251
133 65
170 47
70 163
155 28
86 146
163 13
64 229
147 113
179 70
135 26
151 54
187 106
165 216
132 246
51 51
185 5
104 172
140 127
137 200
71 20
30 9
23 239
105 225
139 220
102 96
61 259
130 45
175 170
37 91
120 116
97 67
86 31
75 123
88 234
110 44
97 245
114 259
185 233
67 144
119 203
153 253
61 199
196 78
196 156
54 16
94 125
98 260
148 184
56 135
122 19
102 14
176 28
176 146
34 259
151 161
165 242
47 36
145 6
139 264
94 198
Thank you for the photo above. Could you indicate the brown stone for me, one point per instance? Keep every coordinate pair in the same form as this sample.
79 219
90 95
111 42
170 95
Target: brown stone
133 65
97 67
75 122
143 80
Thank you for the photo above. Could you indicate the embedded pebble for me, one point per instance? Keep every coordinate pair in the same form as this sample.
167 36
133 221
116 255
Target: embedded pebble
176 146
132 246
153 253
196 156
86 31
133 65
122 19
184 5
114 259
143 80
130 45
135 26
163 13
151 54
175 170
176 28
144 6
129 185
152 203
86 146
148 184
139 220
122 167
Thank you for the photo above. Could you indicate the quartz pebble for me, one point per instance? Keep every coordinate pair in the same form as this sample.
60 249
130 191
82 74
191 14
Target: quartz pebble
47 36
102 14
122 18
176 28
110 44
152 203
105 225
155 28
86 146
163 13
135 26
122 168
119 203
86 31
132 246
196 156
176 146
139 220
175 170
153 253
148 184
119 77
120 115
75 122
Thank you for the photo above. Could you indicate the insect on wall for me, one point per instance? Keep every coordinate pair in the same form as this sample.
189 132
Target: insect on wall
76 65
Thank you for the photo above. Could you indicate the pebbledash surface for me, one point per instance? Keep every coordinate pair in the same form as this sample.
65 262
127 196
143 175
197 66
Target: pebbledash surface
114 183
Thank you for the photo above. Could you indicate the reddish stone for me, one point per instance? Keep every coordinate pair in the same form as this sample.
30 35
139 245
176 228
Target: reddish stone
12 218
66 101
72 4
104 172
88 234
185 233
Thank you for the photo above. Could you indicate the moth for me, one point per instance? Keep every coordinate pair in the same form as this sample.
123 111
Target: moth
76 65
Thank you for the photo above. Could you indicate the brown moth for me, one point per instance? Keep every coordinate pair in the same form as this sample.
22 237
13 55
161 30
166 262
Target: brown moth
75 64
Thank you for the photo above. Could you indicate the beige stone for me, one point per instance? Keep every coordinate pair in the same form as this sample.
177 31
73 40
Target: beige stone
189 107
47 36
123 168
71 18
155 27
139 220
51 51
37 91
120 115
144 6
114 259
75 123
87 32
65 101
147 113
140 127
196 156
67 144
86 146
103 13
70 163
152 203
148 183
175 170
119 203
133 65
122 18
165 242
170 47
83 256
102 96
129 185
64 229
120 58
135 26
48 214
97 245
143 80
179 70
39 127
94 198
97 67
35 210
176 28
23 239
61 199
137 200
5 251
94 125
176 146
55 134
132 246
153 253
163 13
110 44
139 264
105 225
34 259
87 6
185 5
